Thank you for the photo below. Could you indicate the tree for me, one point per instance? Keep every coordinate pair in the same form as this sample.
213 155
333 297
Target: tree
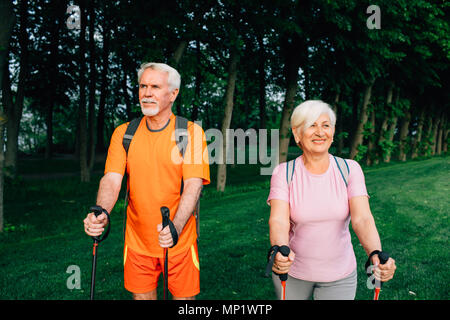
82 82
231 20
7 20
14 106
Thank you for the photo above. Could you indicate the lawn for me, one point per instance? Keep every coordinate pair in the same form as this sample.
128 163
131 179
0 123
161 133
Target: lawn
44 235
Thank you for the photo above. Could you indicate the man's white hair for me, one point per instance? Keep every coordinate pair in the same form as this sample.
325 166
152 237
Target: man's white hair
306 113
173 79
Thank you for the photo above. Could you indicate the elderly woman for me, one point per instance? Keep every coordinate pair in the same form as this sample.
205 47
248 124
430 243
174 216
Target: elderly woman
311 214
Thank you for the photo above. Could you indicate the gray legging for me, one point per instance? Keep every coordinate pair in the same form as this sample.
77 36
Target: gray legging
296 289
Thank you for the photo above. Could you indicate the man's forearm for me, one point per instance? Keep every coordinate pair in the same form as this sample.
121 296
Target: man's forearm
108 192
188 201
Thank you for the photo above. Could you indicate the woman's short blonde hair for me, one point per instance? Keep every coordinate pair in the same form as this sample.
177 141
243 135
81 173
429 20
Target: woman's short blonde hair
306 113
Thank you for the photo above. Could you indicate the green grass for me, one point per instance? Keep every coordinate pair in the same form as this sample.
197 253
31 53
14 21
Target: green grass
44 235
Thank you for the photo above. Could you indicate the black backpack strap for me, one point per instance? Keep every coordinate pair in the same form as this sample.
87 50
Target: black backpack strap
181 134
126 141
129 133
181 138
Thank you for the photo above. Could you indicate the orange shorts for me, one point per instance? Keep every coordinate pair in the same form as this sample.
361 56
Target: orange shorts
141 272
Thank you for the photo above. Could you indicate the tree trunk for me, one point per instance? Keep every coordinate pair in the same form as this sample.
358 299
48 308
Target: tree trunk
126 96
434 134
229 96
428 135
381 146
418 139
390 139
404 129
179 53
82 119
57 10
340 127
92 90
262 84
439 136
49 124
100 145
291 73
445 139
2 161
198 82
337 128
358 137
7 20
391 130
14 114
371 143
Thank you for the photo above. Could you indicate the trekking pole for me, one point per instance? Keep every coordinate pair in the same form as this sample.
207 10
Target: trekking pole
284 250
97 210
165 212
384 257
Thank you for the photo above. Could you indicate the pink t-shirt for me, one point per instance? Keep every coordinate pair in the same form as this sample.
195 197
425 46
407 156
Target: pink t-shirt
319 216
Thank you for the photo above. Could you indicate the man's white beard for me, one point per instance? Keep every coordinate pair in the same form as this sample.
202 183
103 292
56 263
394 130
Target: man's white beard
150 111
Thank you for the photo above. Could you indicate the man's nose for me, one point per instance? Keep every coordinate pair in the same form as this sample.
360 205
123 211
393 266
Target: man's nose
148 92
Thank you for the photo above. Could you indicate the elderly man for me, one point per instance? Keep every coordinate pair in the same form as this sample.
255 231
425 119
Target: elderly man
155 178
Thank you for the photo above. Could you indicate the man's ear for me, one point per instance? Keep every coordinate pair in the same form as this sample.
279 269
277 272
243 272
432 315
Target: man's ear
174 95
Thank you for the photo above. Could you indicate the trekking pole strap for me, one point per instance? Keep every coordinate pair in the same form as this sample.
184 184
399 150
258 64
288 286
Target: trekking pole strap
174 233
167 222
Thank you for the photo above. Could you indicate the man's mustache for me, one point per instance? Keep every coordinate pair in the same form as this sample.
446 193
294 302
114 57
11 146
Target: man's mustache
148 100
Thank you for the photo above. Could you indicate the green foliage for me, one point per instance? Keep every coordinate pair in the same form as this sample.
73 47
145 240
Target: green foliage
362 150
329 40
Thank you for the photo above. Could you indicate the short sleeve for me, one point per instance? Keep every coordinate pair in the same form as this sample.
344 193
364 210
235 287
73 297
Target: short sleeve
117 157
356 182
195 162
278 185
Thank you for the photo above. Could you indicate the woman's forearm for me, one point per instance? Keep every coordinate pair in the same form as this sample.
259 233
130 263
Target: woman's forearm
367 233
279 232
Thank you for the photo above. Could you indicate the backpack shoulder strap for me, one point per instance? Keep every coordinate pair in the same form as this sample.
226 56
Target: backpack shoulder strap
181 134
126 141
129 133
181 138
290 167
343 168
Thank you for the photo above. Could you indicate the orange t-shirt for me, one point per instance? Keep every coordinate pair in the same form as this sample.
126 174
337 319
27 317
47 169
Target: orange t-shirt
155 168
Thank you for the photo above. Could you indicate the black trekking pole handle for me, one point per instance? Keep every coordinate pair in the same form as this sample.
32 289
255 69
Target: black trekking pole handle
97 210
271 259
383 256
284 250
165 212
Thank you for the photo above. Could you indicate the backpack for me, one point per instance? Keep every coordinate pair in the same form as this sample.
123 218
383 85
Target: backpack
181 138
341 164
